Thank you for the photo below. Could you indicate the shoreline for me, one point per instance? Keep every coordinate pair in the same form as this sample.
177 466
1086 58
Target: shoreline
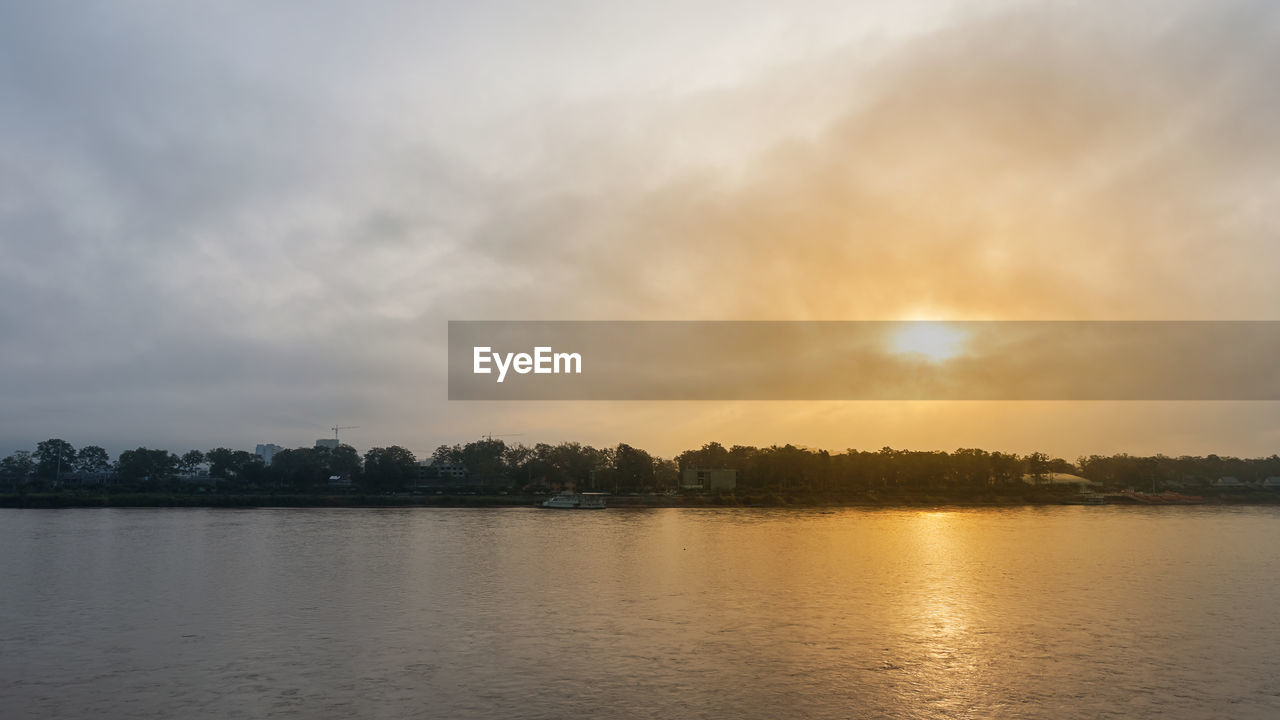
52 501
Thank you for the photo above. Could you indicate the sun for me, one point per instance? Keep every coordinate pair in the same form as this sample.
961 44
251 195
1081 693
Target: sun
933 340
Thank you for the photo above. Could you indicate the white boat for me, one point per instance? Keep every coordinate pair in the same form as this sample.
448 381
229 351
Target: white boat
576 501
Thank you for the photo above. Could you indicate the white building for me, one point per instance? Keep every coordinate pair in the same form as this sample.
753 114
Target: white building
1057 478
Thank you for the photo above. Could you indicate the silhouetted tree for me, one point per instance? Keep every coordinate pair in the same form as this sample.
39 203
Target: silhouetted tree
389 469
92 459
344 462
191 461
240 467
1038 467
303 469
144 464
52 457
711 455
633 469
18 469
666 474
485 462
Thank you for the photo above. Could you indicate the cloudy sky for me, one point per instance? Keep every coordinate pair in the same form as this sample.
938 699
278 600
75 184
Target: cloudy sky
241 222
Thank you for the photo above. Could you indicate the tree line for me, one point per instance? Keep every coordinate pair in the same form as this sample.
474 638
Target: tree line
55 463
492 464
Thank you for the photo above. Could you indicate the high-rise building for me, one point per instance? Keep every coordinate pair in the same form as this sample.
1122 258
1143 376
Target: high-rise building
267 451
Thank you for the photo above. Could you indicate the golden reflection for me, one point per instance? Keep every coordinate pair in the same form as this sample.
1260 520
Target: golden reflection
943 583
943 608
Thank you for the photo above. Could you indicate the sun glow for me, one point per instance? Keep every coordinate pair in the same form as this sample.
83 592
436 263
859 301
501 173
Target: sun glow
934 341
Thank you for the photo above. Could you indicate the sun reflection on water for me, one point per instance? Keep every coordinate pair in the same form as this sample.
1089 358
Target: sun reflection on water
945 653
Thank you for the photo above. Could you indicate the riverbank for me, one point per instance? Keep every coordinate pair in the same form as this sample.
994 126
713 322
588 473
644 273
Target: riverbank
1030 496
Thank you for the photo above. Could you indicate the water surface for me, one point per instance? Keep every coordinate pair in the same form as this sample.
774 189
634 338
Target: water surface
675 613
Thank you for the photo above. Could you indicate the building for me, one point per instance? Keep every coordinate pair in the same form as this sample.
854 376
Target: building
1228 481
708 479
197 476
331 443
86 478
431 472
1272 482
1057 478
266 452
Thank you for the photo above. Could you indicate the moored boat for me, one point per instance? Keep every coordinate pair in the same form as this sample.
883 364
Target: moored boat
1163 498
1088 498
575 501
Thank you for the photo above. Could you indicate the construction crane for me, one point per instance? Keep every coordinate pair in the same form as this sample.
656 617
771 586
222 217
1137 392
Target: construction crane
336 428
491 436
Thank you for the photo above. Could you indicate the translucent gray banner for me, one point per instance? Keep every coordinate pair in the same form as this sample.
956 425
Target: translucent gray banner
891 360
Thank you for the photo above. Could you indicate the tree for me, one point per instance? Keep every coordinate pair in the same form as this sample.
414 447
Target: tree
300 469
18 469
221 460
53 457
712 455
519 461
389 469
191 461
972 466
666 474
307 468
92 459
576 463
344 461
239 466
1060 465
447 454
232 464
1038 467
485 463
145 464
633 469
1006 468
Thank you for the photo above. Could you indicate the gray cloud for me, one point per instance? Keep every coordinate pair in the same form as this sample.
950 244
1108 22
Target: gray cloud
243 223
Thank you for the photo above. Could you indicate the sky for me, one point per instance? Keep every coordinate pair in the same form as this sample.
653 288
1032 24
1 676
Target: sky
234 223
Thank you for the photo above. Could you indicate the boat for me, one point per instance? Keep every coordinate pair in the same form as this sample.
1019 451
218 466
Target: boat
1164 498
575 501
1088 498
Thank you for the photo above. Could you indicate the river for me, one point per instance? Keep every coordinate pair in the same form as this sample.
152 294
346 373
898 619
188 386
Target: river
1046 612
